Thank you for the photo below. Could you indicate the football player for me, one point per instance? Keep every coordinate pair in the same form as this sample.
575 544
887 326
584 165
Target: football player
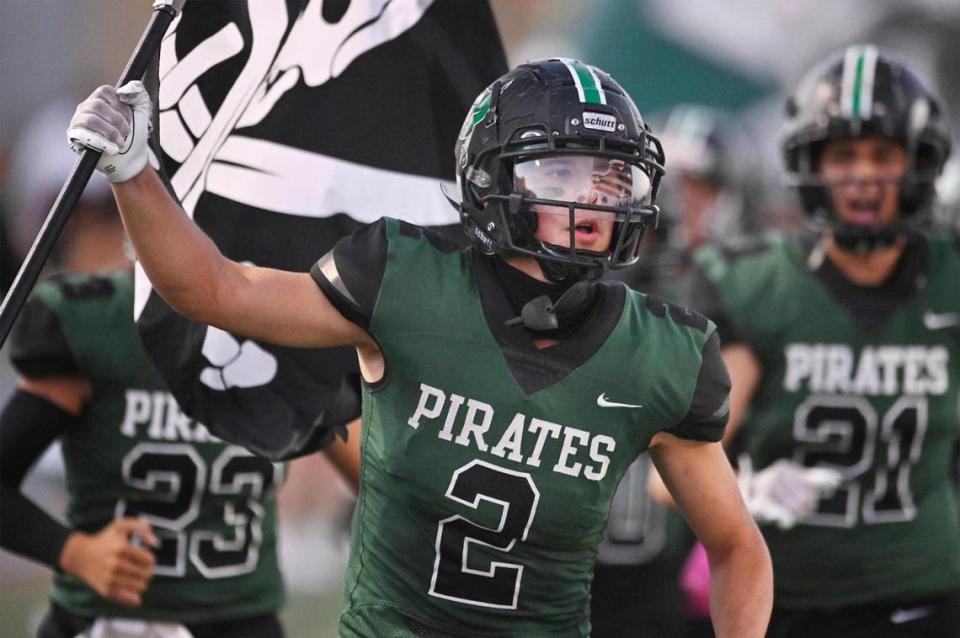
845 345
168 529
703 198
506 391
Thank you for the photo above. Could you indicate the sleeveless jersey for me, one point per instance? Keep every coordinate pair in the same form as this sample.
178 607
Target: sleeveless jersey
133 453
489 467
878 402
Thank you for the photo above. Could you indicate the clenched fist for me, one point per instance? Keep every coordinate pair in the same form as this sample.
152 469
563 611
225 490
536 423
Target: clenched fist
111 561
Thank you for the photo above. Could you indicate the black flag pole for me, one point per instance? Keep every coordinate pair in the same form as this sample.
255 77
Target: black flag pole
164 11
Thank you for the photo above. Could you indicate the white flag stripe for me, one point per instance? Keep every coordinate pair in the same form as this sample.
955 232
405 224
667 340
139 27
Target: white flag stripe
316 51
282 179
194 111
268 25
141 290
266 98
397 18
177 143
168 49
225 44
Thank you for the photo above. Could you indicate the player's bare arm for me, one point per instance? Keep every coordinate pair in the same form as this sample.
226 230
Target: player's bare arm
107 560
183 263
745 372
702 483
198 281
344 454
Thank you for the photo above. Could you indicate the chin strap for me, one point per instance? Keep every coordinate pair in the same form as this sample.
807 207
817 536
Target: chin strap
541 314
561 272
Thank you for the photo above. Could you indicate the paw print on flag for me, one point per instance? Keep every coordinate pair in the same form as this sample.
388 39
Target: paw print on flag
234 364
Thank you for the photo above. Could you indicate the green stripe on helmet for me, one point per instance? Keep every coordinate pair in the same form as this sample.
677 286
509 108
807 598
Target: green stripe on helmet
588 85
857 86
859 69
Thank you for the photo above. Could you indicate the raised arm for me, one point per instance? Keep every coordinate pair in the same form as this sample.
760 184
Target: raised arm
183 263
191 274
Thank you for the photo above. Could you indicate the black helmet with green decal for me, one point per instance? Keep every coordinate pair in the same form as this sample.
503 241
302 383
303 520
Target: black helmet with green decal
557 108
858 93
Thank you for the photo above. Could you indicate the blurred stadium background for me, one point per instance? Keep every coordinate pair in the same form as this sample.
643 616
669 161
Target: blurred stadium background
738 55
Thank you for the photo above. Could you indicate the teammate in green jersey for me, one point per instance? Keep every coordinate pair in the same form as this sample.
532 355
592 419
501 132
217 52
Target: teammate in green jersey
506 391
166 524
846 346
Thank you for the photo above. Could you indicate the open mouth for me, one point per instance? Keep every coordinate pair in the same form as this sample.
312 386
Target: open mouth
586 229
862 210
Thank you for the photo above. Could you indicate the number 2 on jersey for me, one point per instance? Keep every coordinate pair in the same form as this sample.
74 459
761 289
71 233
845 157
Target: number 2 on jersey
458 577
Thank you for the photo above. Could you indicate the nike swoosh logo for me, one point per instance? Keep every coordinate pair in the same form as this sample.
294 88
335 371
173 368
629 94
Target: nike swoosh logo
900 616
603 402
940 320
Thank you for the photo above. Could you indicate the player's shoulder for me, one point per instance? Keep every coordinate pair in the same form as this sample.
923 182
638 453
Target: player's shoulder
371 247
758 273
754 252
660 313
442 239
63 290
944 247
942 269
61 312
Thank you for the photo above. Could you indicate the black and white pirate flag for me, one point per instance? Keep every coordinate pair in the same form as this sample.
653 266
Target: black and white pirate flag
283 126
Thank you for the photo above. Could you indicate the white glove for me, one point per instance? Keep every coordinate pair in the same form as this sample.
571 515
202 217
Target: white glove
785 492
117 123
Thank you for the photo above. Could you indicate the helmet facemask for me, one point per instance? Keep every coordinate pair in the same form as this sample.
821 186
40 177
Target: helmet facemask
557 201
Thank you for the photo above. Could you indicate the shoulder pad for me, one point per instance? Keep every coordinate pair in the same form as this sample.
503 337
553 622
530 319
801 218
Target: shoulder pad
442 238
740 247
81 287
38 345
661 307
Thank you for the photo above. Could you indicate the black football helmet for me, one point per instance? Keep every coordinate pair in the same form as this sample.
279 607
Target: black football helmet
703 144
863 92
548 109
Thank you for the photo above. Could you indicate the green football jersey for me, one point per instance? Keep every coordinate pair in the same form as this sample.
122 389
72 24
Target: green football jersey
132 452
488 465
874 396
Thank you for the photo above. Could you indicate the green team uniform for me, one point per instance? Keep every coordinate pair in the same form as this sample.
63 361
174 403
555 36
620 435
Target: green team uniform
878 401
489 466
133 453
